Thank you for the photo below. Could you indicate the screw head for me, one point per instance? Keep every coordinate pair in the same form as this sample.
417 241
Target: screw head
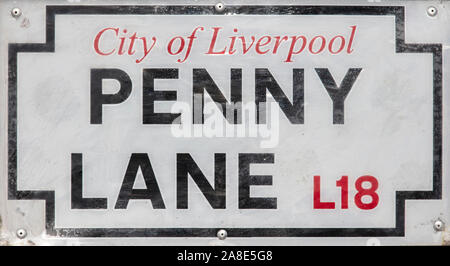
21 233
16 12
222 234
431 11
438 225
219 7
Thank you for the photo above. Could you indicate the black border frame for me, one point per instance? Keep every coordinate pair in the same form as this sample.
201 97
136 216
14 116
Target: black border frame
49 46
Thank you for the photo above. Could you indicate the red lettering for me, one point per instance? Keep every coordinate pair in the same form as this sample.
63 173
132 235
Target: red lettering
343 183
350 42
278 41
233 40
317 203
370 192
97 40
146 51
291 49
191 40
261 43
122 44
213 42
169 47
131 47
322 46
341 47
245 49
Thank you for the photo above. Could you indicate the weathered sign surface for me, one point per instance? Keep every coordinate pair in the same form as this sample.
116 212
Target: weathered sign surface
315 122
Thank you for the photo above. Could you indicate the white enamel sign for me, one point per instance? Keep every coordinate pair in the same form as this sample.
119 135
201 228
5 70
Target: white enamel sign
280 124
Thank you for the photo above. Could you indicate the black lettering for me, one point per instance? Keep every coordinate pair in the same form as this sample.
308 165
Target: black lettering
150 96
202 81
265 81
98 99
246 180
77 200
152 191
338 94
215 196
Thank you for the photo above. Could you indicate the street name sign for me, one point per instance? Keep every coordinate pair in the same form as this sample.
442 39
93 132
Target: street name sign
240 123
